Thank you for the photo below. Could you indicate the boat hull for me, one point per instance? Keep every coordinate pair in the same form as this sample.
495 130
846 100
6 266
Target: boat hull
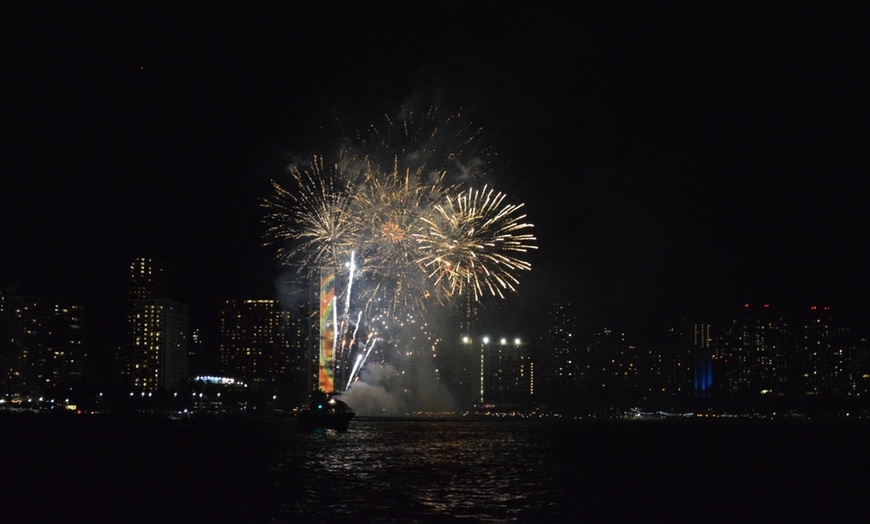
309 420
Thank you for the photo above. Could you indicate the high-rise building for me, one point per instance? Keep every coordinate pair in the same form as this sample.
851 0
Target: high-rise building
671 367
611 362
259 342
702 348
469 314
148 279
496 372
559 360
459 369
825 354
159 347
753 352
47 345
507 374
860 367
458 362
158 330
763 352
196 358
9 334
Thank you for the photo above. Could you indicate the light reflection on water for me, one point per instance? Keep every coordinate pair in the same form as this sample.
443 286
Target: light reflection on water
538 470
135 469
416 469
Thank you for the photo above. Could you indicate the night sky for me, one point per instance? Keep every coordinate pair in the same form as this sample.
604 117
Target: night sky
679 159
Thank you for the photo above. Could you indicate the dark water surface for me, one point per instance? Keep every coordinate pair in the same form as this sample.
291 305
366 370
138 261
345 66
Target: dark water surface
143 469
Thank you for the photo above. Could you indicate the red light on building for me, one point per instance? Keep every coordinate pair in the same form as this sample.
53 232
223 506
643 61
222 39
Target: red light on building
745 305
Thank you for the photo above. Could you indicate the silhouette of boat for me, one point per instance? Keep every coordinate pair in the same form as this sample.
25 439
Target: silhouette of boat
324 412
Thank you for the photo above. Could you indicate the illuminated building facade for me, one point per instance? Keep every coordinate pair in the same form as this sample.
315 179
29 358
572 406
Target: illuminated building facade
9 330
458 359
197 357
506 380
665 368
827 357
611 362
702 349
158 330
469 315
159 347
493 372
459 369
753 350
148 278
559 360
761 352
859 382
258 341
47 351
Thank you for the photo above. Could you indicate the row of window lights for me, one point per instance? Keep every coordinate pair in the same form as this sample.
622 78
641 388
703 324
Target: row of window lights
486 340
142 394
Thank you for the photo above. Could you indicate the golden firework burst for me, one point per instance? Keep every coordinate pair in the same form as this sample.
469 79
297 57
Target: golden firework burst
392 232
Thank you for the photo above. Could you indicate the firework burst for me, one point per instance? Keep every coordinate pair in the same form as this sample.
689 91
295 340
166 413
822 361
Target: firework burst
390 207
313 224
401 201
473 243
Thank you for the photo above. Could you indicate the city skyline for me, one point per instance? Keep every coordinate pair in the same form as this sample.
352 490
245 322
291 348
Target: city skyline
673 160
494 318
812 361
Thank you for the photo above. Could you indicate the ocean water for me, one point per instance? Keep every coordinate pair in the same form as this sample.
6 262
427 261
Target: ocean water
111 468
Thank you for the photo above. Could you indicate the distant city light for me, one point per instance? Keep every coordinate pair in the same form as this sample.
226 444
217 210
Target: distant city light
224 381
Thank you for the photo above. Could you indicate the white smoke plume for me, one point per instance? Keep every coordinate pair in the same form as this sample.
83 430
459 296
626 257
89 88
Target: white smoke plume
412 388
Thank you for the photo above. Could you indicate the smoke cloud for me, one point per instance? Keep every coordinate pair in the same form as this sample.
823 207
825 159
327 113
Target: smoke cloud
409 387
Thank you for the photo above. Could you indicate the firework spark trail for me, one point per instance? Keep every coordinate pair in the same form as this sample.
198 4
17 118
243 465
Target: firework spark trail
362 357
356 365
335 324
348 343
356 327
350 283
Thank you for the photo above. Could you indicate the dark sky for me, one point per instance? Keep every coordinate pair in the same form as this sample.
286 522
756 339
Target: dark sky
676 159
